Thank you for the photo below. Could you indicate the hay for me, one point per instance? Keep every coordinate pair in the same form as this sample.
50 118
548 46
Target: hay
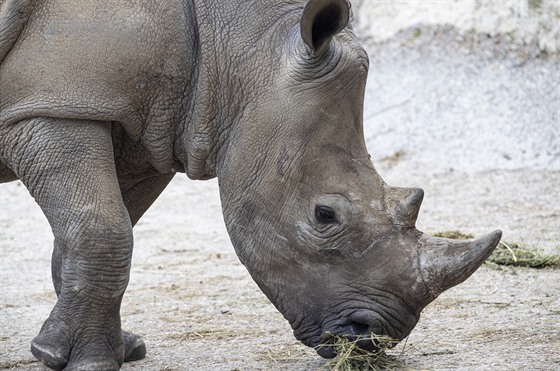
350 357
511 254
456 235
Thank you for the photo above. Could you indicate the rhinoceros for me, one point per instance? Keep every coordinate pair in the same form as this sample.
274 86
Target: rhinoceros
103 102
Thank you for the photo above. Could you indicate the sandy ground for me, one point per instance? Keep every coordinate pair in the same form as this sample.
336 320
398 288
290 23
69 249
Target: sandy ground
469 120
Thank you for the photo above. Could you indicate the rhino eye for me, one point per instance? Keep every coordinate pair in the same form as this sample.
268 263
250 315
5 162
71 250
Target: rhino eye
325 214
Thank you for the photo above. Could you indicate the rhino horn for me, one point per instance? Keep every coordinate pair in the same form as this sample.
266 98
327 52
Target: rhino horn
403 204
445 263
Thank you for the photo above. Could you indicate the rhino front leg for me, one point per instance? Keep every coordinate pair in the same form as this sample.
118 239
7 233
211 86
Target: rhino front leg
68 166
134 346
137 199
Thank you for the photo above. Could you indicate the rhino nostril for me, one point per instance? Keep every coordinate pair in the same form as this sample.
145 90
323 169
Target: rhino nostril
359 329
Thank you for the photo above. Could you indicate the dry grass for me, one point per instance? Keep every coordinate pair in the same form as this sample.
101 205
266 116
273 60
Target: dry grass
19 364
511 254
350 357
456 235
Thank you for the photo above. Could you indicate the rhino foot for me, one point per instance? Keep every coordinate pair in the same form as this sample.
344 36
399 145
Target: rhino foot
53 349
92 364
72 339
55 354
134 347
52 355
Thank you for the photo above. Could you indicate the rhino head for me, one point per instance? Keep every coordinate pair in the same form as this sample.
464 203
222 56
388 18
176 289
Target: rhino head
327 240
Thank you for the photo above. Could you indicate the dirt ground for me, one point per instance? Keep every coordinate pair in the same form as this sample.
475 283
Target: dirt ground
198 309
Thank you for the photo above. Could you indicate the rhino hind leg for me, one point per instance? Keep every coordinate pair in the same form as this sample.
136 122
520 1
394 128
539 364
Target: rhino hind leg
137 200
68 167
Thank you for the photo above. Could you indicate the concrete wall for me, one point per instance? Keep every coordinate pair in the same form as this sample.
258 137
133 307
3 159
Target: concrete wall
521 21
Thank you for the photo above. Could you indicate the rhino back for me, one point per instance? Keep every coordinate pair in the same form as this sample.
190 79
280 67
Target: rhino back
131 62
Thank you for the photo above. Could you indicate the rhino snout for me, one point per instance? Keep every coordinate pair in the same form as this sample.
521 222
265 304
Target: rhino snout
361 333
364 327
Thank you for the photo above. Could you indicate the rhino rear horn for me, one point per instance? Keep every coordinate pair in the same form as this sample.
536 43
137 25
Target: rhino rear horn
321 20
403 204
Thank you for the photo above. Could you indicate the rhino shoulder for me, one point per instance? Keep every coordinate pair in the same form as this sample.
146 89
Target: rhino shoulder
13 17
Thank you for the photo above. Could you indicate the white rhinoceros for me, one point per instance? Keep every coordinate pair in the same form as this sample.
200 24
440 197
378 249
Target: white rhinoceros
102 102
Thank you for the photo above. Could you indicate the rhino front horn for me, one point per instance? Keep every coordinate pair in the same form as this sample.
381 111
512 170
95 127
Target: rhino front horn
445 263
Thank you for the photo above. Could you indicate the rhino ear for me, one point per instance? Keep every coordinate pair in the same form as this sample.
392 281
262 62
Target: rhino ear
321 20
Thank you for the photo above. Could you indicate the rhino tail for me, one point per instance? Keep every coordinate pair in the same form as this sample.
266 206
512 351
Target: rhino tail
13 18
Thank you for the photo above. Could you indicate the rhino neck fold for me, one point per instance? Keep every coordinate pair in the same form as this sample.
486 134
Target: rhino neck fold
230 44
198 141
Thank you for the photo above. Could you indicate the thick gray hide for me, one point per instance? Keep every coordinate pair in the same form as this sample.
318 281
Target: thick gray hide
101 103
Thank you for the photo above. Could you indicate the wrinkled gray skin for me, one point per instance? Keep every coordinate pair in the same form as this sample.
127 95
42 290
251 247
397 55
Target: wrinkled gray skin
101 103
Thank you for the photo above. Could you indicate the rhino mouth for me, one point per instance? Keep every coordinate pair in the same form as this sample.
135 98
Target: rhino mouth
354 332
364 328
